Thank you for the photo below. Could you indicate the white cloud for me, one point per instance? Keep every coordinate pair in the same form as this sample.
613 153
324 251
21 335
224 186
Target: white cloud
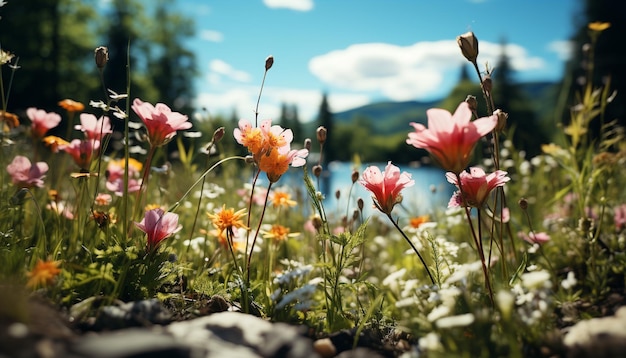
407 72
219 69
297 5
211 35
563 49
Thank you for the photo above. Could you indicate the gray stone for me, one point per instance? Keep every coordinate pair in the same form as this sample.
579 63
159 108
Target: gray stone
234 334
598 337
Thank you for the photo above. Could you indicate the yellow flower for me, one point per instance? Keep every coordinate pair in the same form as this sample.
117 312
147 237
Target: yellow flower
228 220
149 207
10 119
598 26
43 273
279 233
282 199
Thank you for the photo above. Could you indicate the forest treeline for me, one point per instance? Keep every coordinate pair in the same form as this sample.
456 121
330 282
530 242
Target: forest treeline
54 42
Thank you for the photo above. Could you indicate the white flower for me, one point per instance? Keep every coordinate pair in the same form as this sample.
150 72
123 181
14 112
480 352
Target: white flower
455 321
430 342
570 281
536 279
437 313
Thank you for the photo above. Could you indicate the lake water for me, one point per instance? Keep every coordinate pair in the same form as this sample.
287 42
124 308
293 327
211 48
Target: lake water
430 193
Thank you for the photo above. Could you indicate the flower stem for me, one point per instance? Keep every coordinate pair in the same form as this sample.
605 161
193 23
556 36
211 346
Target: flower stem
413 247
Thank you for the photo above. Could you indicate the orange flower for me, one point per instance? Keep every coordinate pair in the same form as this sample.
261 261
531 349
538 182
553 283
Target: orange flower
282 198
43 273
275 164
227 220
238 243
55 142
417 221
279 233
71 106
10 119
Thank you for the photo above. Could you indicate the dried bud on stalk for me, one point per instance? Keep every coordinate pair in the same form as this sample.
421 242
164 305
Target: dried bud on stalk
317 222
502 117
360 203
355 215
472 103
469 46
337 194
487 84
101 55
321 134
523 204
317 170
355 176
269 61
307 144
218 134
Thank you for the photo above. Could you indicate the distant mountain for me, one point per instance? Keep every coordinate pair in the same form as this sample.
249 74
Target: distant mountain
393 117
387 117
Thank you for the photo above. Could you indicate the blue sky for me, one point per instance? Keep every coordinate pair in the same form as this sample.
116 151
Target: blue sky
361 51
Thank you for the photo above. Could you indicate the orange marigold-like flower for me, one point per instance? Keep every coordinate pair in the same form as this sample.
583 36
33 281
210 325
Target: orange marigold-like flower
279 233
43 273
282 199
11 120
71 106
54 142
227 220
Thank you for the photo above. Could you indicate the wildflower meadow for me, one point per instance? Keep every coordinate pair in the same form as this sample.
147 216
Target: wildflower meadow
526 248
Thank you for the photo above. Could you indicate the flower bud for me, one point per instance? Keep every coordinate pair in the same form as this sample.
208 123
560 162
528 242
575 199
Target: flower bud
502 117
360 203
317 170
321 134
355 176
355 214
218 134
269 61
337 194
523 204
487 84
469 46
317 222
472 103
101 55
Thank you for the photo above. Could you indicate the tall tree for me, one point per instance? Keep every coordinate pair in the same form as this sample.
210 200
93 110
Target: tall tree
54 40
325 119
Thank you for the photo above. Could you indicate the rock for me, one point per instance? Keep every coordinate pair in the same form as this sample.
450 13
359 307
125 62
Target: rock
234 334
132 314
598 337
130 342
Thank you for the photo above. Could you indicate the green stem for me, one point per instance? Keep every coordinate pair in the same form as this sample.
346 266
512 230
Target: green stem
413 247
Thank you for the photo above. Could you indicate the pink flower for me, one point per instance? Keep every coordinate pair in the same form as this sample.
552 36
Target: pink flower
42 121
161 123
386 186
117 186
93 127
26 175
82 151
450 139
619 217
475 186
535 238
158 225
